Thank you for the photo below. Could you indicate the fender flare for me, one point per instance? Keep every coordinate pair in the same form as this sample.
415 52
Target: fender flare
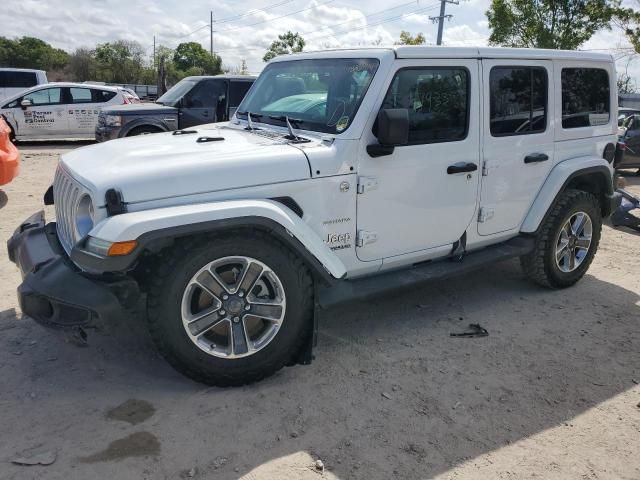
153 229
557 181
145 122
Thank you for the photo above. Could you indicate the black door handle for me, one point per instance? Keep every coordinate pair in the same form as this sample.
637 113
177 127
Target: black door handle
462 167
536 157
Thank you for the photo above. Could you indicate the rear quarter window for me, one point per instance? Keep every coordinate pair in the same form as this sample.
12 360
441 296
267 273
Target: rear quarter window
10 79
585 97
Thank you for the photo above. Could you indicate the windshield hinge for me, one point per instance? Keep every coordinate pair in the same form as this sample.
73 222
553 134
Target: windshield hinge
366 184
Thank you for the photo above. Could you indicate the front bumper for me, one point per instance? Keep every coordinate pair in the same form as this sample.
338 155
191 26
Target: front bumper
104 133
54 292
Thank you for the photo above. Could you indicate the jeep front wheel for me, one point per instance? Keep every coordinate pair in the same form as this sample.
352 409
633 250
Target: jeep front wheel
232 309
567 241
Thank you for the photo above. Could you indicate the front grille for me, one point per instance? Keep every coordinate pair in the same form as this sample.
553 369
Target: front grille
66 192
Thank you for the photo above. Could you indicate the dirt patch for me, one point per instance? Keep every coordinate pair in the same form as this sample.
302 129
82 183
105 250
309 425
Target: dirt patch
132 411
139 444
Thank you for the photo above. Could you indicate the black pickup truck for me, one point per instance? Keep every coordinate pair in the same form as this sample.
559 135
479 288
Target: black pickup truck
191 101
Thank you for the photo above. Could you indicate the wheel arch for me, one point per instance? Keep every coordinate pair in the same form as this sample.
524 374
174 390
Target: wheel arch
144 122
158 229
589 174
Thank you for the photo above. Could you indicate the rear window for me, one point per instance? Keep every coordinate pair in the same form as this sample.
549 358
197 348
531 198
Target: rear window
585 97
10 79
80 95
102 96
518 100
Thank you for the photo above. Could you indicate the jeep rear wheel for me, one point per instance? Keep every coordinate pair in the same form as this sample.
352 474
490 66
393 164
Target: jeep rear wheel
567 241
231 309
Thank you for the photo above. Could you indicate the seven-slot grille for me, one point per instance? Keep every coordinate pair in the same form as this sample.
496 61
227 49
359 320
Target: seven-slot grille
66 193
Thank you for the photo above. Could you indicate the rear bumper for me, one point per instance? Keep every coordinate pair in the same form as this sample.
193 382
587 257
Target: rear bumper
53 291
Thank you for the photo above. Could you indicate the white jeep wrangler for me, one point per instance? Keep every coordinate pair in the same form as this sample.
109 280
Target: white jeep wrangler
343 174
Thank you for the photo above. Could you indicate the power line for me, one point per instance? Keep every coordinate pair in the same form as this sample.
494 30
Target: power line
253 12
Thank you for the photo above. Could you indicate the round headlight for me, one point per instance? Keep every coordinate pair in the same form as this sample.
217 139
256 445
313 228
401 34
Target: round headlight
84 216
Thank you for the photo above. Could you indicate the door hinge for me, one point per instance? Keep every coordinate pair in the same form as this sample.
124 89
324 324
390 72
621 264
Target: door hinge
485 169
485 214
365 238
366 184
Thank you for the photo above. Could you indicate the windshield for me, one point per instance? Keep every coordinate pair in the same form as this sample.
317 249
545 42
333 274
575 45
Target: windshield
176 92
321 95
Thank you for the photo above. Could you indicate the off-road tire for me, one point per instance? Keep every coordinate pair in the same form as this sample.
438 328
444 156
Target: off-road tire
144 130
176 266
540 265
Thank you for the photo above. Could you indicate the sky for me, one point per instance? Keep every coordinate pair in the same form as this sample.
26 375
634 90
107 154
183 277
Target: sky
245 29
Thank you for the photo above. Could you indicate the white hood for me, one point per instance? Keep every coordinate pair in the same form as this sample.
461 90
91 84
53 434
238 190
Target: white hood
162 165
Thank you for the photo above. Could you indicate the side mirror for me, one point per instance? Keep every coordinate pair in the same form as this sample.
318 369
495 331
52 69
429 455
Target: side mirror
26 103
393 131
393 127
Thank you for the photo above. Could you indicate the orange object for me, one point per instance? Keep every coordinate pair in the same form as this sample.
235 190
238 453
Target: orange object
118 249
9 155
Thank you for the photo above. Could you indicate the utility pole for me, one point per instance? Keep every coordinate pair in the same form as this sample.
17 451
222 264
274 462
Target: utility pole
441 18
154 52
211 34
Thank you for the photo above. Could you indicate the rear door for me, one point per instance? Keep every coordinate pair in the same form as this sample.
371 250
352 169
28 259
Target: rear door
632 143
84 105
518 148
201 104
46 117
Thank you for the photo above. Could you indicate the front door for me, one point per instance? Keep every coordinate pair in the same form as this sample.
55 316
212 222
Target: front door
417 198
46 117
200 105
518 145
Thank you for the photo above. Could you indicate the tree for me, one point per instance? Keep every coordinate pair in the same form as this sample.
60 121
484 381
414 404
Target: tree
407 39
120 61
30 52
193 57
83 65
626 84
287 43
558 24
629 20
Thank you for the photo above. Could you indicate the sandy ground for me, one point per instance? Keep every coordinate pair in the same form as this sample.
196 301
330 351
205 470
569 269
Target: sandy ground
552 392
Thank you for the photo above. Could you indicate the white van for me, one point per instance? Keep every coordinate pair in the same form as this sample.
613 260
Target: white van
15 80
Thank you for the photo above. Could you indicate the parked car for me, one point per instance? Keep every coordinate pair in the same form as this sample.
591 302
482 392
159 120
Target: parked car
412 170
58 110
16 80
192 101
624 113
629 143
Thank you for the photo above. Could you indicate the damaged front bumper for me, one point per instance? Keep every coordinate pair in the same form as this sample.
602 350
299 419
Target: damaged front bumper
54 292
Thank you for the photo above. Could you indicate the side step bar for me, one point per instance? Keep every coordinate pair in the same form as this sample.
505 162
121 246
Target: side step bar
348 290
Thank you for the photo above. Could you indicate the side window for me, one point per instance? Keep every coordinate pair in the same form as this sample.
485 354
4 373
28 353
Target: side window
46 96
207 94
518 100
437 100
585 97
101 96
9 79
237 91
80 95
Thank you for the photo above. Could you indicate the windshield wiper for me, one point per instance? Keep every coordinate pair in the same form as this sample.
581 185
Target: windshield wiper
249 121
289 121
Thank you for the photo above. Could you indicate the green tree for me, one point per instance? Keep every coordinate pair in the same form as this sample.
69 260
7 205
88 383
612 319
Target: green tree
407 39
192 57
30 52
287 43
120 61
629 20
83 65
557 24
